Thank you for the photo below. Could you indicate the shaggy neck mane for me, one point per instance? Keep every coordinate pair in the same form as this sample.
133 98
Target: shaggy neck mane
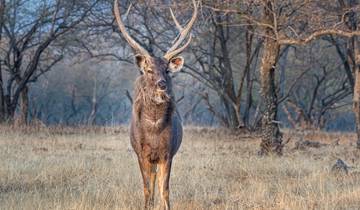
146 107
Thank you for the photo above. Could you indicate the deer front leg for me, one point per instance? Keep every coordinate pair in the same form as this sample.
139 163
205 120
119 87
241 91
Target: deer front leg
152 185
149 175
164 178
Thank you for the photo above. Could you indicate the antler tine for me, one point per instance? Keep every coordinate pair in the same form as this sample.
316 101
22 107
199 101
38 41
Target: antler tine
168 56
183 34
180 28
136 46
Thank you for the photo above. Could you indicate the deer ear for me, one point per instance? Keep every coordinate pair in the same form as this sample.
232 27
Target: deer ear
176 64
141 61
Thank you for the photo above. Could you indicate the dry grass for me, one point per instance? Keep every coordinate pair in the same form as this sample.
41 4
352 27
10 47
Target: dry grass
96 169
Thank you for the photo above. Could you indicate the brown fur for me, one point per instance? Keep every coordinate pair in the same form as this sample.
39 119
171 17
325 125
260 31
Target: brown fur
156 130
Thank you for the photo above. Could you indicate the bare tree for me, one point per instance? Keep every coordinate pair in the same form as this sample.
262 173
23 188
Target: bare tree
326 89
283 23
223 68
32 45
348 50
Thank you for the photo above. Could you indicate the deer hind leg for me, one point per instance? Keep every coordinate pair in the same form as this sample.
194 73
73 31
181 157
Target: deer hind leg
164 178
148 172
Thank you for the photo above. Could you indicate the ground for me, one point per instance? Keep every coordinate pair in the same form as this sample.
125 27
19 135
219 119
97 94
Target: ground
95 168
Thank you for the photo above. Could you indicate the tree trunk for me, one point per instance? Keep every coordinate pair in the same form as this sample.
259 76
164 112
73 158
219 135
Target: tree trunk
24 107
352 48
2 98
92 116
231 114
248 100
352 24
356 108
271 140
356 97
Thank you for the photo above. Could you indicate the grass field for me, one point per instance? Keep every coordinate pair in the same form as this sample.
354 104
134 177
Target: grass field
95 168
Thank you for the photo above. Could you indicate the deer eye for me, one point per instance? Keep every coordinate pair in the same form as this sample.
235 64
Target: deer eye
149 71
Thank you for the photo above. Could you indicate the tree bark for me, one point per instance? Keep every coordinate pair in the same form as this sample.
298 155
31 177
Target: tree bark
271 140
92 116
233 113
24 107
356 97
356 108
2 98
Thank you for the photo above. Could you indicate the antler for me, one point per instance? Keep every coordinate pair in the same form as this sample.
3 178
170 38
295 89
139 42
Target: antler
136 46
174 50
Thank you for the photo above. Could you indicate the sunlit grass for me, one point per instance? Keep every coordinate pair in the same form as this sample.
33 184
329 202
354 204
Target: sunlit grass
87 168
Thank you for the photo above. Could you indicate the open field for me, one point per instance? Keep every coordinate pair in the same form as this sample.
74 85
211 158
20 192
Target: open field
96 169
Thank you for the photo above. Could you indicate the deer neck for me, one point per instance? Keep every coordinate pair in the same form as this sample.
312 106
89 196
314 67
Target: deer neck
153 112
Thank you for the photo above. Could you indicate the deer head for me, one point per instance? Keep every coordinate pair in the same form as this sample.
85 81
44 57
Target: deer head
156 69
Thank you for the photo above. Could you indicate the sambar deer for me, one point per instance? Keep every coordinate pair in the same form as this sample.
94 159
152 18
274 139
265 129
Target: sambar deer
156 130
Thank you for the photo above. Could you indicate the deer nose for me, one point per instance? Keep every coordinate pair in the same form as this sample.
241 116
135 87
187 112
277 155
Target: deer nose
162 84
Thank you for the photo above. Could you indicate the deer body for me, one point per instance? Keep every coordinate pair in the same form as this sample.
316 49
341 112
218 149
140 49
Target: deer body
156 130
